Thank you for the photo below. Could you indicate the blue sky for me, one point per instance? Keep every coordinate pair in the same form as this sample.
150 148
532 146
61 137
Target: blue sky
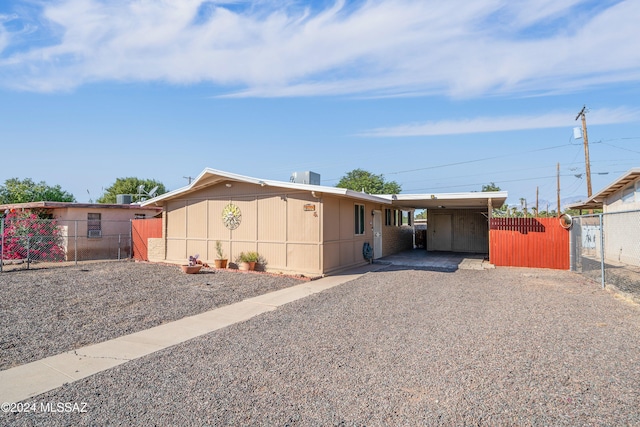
438 96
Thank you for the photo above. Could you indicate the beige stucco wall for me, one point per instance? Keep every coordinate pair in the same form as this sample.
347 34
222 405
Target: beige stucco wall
274 223
616 203
342 247
155 249
621 235
396 239
469 230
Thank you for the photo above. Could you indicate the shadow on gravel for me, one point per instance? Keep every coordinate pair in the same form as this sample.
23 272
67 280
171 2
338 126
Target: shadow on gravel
438 268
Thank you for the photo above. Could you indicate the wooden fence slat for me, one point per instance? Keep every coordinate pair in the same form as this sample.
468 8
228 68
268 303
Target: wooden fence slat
529 242
141 231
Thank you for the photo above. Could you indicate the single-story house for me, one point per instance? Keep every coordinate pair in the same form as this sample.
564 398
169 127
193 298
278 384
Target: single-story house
89 230
307 228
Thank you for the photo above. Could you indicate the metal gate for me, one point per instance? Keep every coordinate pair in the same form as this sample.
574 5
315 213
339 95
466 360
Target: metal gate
606 248
528 242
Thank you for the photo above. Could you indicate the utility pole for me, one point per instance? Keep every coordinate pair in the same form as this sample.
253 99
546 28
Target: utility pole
558 174
582 114
189 178
537 194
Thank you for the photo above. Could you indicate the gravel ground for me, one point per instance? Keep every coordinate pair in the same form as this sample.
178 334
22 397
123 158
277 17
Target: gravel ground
46 312
507 346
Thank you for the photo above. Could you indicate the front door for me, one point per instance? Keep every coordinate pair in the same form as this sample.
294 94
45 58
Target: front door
377 234
441 232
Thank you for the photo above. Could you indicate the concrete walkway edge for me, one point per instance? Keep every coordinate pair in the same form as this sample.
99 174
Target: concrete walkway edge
31 379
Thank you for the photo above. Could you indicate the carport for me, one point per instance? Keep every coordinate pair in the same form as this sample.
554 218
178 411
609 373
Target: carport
456 222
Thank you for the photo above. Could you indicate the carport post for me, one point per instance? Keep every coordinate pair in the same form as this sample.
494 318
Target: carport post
489 216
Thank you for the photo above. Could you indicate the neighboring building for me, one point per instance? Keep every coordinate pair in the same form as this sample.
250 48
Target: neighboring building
621 195
93 230
306 228
620 204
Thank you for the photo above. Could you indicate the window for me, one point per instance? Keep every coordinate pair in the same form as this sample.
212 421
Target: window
359 219
94 225
388 220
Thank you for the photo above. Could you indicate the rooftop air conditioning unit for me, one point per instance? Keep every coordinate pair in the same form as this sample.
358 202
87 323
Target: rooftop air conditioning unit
306 177
123 199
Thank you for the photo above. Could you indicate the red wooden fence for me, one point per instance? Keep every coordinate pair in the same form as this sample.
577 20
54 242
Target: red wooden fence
141 231
528 242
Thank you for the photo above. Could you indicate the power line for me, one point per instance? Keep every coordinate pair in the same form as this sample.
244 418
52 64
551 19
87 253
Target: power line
464 162
620 148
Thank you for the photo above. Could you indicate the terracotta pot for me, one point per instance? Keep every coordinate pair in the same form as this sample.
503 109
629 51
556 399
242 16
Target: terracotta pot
191 269
220 263
246 266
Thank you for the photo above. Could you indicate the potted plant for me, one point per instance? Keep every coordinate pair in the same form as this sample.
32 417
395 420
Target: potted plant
220 261
247 260
193 266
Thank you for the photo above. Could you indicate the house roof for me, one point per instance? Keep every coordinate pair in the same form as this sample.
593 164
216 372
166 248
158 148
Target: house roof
210 177
597 200
73 205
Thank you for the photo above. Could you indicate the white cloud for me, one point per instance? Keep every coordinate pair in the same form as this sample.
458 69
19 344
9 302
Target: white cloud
378 48
503 124
4 34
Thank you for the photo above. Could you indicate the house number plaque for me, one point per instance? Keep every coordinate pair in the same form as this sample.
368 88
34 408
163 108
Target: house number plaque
231 216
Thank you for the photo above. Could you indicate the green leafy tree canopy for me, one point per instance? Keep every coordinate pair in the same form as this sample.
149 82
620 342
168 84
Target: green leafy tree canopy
359 179
490 187
130 185
15 190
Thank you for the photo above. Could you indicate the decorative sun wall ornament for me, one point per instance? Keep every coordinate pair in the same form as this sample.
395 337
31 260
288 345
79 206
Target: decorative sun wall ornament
231 216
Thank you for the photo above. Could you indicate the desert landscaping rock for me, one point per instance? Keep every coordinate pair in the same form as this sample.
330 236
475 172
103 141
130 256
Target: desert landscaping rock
506 346
49 311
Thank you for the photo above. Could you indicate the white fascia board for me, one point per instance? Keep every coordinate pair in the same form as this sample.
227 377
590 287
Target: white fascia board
448 196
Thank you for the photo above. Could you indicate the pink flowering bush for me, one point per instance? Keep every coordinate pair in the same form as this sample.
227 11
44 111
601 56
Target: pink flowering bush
26 235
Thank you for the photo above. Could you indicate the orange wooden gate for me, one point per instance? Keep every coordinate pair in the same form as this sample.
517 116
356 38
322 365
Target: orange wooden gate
528 242
141 231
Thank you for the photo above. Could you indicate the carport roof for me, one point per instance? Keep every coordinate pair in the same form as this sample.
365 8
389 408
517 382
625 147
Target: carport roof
449 200
209 177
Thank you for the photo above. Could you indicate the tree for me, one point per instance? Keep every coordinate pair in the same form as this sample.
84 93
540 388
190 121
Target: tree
359 180
130 185
15 190
490 187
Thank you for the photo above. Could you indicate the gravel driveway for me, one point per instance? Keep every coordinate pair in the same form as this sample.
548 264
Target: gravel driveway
46 312
396 347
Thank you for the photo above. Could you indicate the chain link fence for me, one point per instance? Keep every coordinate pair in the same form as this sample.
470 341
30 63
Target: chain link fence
606 248
29 242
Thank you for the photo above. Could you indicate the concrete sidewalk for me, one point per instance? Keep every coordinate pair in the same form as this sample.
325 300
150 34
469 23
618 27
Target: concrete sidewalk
32 379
